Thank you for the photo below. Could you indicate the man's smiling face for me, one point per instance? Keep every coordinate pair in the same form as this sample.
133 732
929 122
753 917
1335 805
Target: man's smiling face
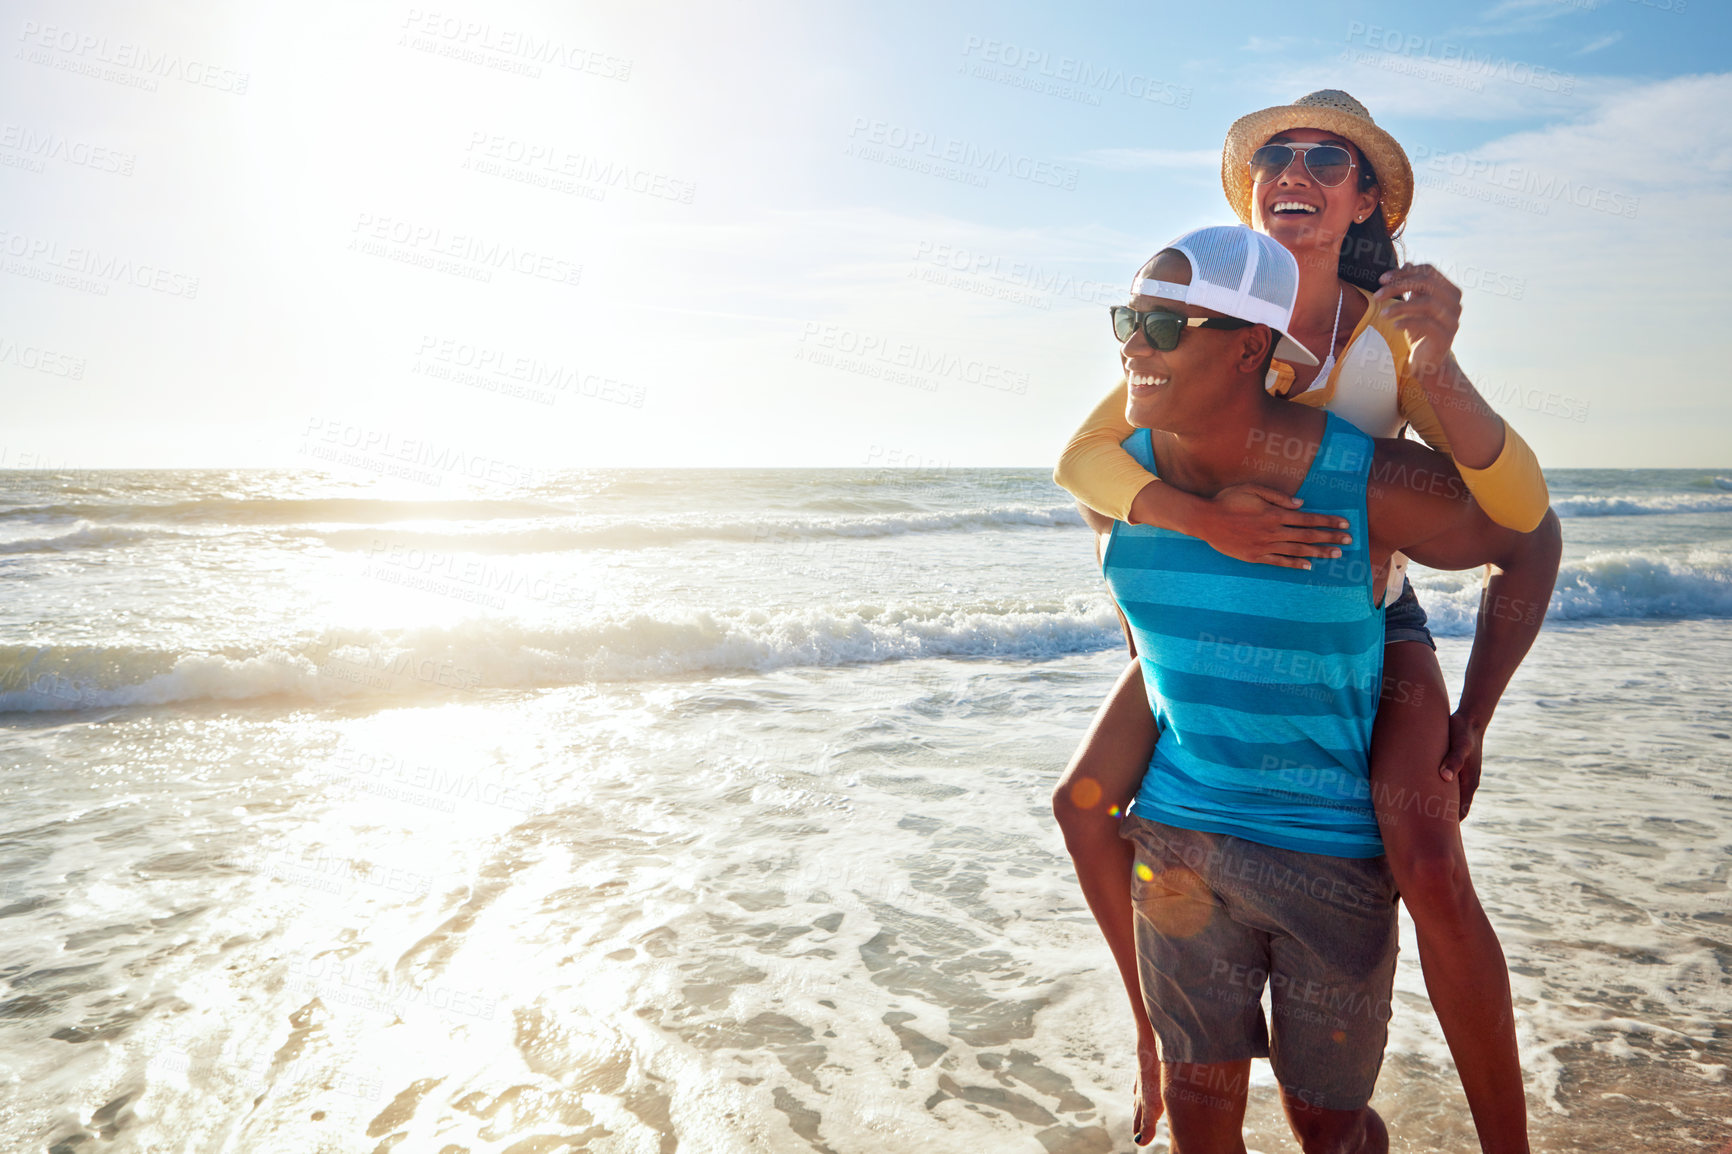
1177 390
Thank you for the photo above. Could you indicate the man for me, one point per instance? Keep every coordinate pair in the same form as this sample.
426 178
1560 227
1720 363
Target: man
1258 858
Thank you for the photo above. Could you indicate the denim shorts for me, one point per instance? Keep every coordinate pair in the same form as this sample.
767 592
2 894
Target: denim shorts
1219 917
1404 620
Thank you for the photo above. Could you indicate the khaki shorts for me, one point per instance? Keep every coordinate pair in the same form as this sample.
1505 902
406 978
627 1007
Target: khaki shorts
1219 917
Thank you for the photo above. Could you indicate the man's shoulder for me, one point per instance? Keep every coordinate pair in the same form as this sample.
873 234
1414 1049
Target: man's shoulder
1410 486
1398 459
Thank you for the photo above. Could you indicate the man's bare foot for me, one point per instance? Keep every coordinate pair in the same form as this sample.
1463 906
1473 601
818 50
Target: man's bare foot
1148 1107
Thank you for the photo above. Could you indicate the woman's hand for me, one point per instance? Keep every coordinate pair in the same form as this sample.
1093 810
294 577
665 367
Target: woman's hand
1260 524
1466 745
1430 316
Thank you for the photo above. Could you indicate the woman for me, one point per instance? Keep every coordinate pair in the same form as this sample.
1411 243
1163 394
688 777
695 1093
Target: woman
1322 179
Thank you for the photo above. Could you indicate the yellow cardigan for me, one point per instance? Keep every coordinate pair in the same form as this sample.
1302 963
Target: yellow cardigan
1097 471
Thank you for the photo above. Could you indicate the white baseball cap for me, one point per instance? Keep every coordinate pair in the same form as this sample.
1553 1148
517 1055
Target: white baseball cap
1238 272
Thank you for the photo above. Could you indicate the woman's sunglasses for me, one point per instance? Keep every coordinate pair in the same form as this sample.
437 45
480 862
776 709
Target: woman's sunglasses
1328 164
1163 327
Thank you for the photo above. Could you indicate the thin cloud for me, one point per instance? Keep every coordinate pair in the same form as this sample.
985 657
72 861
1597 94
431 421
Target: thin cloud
1605 41
1272 43
1520 16
1483 86
1528 9
1133 159
1555 229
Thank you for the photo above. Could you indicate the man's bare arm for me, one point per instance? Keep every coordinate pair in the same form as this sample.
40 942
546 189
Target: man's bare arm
1418 503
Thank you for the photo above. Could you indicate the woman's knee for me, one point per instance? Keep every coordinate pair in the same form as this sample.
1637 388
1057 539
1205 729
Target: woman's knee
1434 882
1081 809
1064 811
1108 766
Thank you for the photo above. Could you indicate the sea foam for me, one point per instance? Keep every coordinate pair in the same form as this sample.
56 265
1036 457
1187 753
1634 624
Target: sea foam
1642 506
500 653
1621 584
652 532
486 653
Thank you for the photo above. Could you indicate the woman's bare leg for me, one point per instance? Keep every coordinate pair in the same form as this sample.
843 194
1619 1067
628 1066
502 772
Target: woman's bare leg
1099 783
1420 816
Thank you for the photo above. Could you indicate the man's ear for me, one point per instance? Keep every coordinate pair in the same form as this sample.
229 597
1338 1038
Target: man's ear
1256 344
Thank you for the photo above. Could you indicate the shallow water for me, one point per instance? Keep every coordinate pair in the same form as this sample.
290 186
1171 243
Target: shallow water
743 844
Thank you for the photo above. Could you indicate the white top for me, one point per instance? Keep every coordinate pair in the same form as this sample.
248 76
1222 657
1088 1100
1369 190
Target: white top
1366 394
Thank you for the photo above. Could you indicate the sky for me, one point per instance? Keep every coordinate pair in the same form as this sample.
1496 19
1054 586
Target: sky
752 233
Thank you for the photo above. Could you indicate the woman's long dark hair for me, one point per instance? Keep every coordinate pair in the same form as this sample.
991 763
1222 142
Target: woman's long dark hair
1368 250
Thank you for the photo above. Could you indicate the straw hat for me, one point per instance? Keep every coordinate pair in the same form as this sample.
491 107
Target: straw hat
1329 110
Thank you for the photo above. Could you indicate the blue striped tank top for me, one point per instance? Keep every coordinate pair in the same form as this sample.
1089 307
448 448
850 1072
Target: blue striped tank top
1264 680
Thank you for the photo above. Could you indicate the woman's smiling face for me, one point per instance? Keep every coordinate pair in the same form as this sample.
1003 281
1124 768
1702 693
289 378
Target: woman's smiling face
1303 214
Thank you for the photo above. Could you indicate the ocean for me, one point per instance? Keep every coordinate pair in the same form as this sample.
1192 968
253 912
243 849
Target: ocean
662 811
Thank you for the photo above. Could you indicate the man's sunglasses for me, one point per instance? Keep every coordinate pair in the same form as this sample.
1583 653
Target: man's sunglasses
1328 164
1163 327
